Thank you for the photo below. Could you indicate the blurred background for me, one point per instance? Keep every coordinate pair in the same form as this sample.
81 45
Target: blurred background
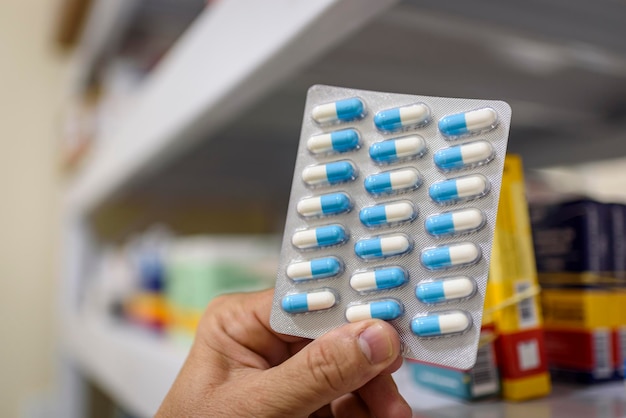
147 155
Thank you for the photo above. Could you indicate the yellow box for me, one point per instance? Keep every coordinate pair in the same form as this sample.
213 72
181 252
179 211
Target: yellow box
512 270
526 387
577 308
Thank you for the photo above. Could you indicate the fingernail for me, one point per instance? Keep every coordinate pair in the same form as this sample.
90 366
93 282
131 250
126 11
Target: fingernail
376 344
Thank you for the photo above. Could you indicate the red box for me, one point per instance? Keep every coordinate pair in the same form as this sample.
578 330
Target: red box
521 354
581 350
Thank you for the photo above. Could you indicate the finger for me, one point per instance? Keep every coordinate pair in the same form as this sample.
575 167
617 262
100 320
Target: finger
394 366
337 363
350 406
323 412
237 325
383 399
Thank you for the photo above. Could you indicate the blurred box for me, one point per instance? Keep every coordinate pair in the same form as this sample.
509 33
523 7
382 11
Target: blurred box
581 256
200 268
479 382
514 290
573 243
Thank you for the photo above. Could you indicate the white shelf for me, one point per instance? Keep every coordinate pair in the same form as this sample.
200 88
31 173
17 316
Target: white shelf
105 26
175 108
607 400
137 369
134 367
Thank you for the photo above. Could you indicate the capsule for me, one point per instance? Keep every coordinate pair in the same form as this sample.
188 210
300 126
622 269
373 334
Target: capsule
460 188
324 236
395 181
443 323
445 290
455 223
394 150
387 310
384 246
331 173
338 141
387 214
324 205
308 302
448 256
318 268
399 118
464 156
468 123
379 279
339 111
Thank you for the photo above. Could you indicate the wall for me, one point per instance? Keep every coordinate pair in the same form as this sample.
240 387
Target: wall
31 85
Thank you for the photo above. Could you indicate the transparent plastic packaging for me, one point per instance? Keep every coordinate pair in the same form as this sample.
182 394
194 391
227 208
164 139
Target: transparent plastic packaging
447 289
459 189
379 279
455 222
468 123
450 256
388 214
441 324
395 150
385 309
464 156
395 224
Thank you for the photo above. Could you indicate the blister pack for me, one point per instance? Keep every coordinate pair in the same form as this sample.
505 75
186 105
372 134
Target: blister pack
391 216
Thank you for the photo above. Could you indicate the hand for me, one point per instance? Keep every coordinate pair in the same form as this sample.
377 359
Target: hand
239 367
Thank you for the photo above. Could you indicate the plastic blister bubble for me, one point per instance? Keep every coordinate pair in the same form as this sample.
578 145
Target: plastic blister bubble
395 236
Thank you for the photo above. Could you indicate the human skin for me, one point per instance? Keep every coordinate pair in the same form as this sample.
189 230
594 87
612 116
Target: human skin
239 367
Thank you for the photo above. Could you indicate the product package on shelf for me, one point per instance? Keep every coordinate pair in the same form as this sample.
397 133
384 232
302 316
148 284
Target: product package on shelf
479 382
202 267
391 216
514 290
146 305
580 257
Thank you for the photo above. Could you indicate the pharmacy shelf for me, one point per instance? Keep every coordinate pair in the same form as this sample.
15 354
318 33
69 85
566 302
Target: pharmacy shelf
176 109
256 82
135 367
105 26
239 76
607 400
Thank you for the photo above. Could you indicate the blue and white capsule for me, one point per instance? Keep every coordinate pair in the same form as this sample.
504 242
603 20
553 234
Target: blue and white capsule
467 155
441 323
340 111
445 290
459 189
324 205
455 223
405 117
338 141
396 181
387 310
450 256
318 268
387 214
331 173
468 123
383 246
398 149
309 301
323 236
379 279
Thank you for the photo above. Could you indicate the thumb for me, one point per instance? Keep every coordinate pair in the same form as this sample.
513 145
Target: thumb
335 364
